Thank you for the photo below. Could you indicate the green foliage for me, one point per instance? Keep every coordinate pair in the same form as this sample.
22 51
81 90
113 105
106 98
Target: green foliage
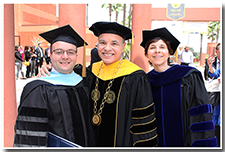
214 31
119 8
127 51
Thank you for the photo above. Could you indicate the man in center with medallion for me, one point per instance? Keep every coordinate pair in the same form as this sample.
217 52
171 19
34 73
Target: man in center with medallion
123 113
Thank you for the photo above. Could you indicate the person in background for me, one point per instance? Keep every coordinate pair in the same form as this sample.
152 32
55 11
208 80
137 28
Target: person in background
186 56
18 62
94 54
47 54
214 72
213 63
27 58
33 60
180 49
183 110
21 50
39 52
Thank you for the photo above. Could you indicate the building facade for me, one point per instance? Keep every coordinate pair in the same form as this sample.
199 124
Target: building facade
32 19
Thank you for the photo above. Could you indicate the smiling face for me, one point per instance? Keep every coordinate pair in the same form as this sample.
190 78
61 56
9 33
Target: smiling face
63 63
110 47
158 54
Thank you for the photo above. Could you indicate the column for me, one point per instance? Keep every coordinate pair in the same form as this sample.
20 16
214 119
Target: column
10 107
141 19
75 15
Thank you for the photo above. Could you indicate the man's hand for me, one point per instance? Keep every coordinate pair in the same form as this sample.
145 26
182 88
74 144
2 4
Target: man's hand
44 70
210 61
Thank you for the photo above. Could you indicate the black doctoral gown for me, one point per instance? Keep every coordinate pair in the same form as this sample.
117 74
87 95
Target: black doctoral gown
183 110
130 119
62 110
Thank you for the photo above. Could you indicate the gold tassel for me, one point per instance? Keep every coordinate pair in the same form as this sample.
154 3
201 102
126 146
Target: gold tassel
84 61
132 40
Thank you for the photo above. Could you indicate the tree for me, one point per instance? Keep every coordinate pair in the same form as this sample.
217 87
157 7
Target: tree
117 8
130 16
124 13
110 9
214 31
113 8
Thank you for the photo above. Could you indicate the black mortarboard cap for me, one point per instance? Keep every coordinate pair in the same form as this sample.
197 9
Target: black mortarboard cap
163 33
111 27
66 34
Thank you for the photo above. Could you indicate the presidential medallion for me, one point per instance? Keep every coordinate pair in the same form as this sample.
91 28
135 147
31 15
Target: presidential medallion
96 119
95 95
110 97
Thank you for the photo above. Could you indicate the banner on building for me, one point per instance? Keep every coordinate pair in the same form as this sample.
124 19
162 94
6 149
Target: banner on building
175 11
195 27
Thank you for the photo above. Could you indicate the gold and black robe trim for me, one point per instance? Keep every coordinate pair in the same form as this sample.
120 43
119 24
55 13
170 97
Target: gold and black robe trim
151 142
143 128
141 113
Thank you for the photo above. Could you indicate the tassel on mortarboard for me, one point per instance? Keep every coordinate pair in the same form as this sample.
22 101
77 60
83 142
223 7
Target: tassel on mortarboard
84 61
132 40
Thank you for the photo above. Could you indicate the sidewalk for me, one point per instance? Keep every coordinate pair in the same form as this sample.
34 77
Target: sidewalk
20 83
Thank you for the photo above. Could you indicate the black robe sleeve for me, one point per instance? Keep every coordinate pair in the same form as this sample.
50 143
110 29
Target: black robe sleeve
198 126
140 130
31 128
143 116
62 110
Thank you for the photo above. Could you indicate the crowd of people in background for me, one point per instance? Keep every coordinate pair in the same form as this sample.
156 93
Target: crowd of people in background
31 58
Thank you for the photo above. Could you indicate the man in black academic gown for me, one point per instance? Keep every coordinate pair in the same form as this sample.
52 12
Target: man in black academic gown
58 103
120 93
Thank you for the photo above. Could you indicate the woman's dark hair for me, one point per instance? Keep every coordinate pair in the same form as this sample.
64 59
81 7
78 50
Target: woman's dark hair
32 48
217 46
156 40
26 48
16 47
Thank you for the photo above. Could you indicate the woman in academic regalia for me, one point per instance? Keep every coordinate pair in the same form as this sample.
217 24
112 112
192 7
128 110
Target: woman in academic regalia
183 110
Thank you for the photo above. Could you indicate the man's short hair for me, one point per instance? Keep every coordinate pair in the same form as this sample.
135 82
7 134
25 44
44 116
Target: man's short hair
218 46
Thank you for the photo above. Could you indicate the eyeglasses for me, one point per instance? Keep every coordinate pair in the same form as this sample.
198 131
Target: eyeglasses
69 52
